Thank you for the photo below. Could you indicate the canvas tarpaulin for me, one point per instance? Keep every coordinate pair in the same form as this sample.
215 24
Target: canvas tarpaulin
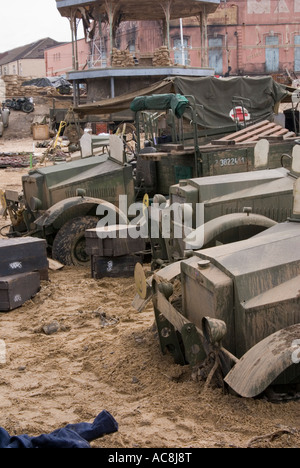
122 103
213 97
216 95
177 102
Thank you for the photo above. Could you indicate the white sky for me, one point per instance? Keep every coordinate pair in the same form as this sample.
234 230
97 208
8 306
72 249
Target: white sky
26 21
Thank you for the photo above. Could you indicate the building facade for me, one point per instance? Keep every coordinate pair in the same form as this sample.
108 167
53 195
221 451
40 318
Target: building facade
255 37
242 37
141 31
59 59
27 60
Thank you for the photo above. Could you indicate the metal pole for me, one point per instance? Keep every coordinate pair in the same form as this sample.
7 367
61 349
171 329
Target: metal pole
112 87
182 45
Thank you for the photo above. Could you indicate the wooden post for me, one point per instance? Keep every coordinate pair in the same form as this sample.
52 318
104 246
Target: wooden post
203 29
72 37
166 6
111 13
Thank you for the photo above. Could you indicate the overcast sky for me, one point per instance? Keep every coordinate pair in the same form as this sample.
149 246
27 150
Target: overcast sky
25 21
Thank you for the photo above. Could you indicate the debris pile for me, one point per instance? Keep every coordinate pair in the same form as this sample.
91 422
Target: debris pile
162 58
16 160
122 58
14 88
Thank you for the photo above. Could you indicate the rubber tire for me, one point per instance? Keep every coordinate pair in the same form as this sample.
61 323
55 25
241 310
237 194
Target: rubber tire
70 236
27 107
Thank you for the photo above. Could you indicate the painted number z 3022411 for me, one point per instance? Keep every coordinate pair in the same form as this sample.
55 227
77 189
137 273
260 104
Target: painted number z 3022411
230 161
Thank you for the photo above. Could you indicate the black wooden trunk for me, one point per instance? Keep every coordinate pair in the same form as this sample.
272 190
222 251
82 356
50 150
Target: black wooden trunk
114 267
122 244
17 289
23 255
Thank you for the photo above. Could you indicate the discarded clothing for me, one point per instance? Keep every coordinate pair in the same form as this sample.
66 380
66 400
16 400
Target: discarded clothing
72 436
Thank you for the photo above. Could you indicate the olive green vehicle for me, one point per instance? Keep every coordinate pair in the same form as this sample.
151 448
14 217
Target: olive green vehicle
59 203
232 310
224 208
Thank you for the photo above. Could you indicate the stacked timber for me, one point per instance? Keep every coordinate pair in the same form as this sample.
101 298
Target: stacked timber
23 264
114 250
162 58
122 58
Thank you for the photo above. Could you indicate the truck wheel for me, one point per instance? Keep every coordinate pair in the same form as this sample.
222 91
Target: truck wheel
69 243
27 107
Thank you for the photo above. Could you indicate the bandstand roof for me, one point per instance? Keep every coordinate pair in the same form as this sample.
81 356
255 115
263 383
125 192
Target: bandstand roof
139 10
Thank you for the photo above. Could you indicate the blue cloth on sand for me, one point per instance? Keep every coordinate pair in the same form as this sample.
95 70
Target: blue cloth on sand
71 436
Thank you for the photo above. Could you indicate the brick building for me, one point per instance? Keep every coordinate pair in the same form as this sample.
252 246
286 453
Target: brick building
27 60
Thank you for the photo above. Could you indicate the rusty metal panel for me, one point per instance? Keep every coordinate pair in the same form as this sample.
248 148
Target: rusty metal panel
262 364
207 291
265 270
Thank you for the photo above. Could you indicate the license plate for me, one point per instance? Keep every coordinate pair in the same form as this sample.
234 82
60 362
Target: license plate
2 203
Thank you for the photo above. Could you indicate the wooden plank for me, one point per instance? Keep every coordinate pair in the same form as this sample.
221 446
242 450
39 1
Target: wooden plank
153 156
290 135
265 133
271 138
253 133
244 130
223 142
258 131
55 265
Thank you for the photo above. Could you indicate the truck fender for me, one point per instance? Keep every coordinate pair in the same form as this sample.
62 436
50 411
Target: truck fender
57 215
202 235
265 361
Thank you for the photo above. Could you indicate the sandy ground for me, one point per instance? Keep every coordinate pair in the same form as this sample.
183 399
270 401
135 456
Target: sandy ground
106 355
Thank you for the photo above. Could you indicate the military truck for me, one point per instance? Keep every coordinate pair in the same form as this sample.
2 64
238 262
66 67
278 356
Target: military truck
60 202
203 212
232 311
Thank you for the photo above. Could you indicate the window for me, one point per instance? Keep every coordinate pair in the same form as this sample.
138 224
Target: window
272 54
215 54
178 56
297 53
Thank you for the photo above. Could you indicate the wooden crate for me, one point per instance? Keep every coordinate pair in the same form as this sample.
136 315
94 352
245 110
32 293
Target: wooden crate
122 243
114 267
15 290
23 255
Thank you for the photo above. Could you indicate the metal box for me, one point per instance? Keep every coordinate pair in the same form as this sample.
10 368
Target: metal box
119 242
17 289
23 255
114 267
253 286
